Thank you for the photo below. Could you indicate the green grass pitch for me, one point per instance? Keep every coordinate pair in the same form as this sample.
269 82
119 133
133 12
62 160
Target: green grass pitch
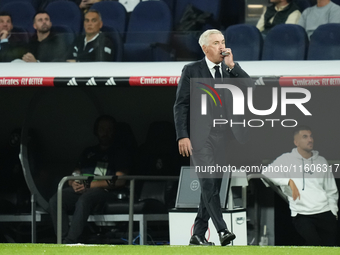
51 249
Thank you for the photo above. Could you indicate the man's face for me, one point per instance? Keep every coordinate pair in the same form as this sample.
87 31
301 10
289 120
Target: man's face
6 23
214 48
42 23
105 132
304 140
92 23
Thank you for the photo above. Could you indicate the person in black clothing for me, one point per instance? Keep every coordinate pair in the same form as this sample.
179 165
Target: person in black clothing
109 157
198 136
94 45
11 45
45 46
279 12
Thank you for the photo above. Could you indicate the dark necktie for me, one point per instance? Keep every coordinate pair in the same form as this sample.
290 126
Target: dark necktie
218 75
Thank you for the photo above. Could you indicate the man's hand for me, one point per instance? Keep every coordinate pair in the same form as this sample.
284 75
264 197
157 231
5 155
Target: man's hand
3 34
184 147
84 4
29 57
229 59
295 191
87 3
78 187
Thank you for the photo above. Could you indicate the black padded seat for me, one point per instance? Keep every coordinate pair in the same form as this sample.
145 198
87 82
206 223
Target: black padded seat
147 206
152 200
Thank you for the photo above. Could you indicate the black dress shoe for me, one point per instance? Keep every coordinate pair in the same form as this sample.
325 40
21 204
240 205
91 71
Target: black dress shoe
198 240
226 237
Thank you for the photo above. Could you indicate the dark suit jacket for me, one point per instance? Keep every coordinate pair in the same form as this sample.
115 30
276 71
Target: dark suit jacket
187 108
15 48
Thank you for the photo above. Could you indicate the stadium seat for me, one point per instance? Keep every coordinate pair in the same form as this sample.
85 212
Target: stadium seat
325 43
113 15
179 10
185 40
148 36
285 42
245 41
233 12
22 14
204 5
22 33
43 3
303 4
116 38
209 6
171 4
336 2
34 3
66 32
63 13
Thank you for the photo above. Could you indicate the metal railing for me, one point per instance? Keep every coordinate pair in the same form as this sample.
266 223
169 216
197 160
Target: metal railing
270 184
131 178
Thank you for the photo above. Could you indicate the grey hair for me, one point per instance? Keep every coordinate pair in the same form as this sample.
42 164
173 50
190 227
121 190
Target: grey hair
94 11
204 38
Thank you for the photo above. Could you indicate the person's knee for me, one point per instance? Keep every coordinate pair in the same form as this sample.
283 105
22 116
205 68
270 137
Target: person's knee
90 199
85 200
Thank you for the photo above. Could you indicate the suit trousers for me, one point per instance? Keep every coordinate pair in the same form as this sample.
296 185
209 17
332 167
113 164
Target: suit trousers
213 153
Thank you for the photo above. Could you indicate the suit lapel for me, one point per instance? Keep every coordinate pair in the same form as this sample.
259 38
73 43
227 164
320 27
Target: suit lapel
224 71
204 70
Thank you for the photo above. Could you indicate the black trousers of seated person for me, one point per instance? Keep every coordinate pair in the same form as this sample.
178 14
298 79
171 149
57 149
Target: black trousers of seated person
81 205
212 153
317 229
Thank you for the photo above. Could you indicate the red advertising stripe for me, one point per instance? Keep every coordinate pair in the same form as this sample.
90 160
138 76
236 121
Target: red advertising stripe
154 80
26 81
309 81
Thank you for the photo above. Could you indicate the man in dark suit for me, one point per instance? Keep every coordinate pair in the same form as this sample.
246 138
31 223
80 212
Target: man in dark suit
12 45
196 133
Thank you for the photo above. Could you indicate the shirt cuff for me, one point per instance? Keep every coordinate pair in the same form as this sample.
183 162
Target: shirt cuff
4 40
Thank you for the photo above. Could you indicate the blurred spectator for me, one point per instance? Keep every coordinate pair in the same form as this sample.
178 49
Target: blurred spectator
279 12
6 27
323 12
11 45
45 46
311 189
85 5
94 45
43 3
107 158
